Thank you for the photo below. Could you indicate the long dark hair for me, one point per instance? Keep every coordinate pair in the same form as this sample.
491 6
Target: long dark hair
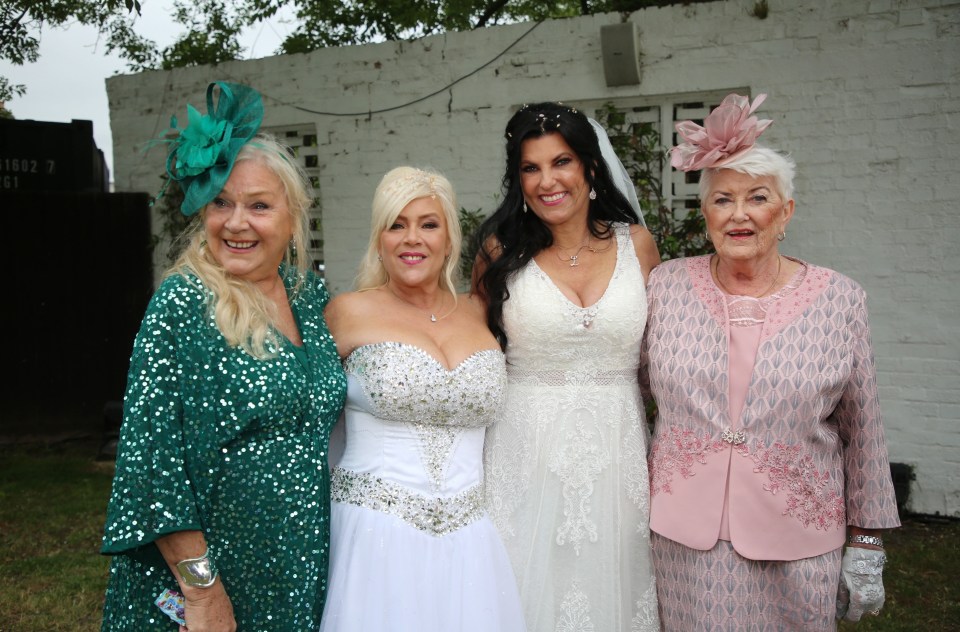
510 238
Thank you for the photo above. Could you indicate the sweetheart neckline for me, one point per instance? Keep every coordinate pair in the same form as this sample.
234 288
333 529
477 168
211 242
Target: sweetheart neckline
425 353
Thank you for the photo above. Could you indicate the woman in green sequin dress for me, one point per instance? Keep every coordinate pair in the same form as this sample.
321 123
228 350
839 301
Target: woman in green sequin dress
233 387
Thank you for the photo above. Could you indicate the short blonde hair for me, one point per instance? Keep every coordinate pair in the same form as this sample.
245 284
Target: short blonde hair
396 190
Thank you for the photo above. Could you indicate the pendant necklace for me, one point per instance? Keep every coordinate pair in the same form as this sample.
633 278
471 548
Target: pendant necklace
433 314
574 258
716 274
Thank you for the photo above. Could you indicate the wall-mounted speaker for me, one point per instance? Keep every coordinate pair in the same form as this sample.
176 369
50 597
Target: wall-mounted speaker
620 46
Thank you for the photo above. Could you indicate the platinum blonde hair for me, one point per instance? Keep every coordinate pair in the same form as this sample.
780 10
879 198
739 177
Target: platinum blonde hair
758 161
243 314
396 190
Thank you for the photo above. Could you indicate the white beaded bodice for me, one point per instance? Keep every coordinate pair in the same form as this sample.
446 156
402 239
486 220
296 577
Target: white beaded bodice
404 383
414 434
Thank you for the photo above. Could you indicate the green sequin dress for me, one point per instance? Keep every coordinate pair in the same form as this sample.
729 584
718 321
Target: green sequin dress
216 440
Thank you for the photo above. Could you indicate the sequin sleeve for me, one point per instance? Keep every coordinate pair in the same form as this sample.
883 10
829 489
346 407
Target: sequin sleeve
322 294
152 494
870 499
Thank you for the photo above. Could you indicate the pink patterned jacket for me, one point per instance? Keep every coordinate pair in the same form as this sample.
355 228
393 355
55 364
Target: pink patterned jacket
807 456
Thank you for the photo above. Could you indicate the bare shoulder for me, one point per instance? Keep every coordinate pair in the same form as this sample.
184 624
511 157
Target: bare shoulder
344 304
345 312
645 247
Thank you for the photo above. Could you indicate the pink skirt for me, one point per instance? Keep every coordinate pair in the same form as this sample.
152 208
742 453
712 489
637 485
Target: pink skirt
721 590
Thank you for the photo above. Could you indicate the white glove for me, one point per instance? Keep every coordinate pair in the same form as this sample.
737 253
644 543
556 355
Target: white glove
861 583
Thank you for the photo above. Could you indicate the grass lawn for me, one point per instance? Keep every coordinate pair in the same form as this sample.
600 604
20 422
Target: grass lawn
53 498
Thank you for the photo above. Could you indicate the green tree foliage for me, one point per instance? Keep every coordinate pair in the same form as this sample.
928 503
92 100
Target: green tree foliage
677 233
22 21
212 28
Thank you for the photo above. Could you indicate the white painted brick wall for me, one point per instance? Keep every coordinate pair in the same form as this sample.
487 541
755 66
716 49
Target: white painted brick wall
864 94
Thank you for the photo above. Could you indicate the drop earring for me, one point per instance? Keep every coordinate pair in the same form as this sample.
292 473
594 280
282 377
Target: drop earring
593 194
524 206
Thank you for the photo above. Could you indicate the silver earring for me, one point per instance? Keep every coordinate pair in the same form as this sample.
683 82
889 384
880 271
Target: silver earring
379 258
782 235
524 206
593 194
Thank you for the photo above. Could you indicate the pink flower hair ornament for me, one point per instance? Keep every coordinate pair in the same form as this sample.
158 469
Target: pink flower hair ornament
729 130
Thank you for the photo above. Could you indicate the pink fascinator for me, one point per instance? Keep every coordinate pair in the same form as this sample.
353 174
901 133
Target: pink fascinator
727 131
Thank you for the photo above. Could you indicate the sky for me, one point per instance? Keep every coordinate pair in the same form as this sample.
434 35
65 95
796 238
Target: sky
68 81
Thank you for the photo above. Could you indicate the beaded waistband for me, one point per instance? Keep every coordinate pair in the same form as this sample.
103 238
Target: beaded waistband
562 378
437 516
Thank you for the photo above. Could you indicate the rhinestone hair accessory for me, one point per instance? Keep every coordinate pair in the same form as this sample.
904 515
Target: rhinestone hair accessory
202 153
729 130
416 177
546 123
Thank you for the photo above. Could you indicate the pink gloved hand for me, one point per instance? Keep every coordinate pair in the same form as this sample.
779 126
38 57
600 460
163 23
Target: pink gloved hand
861 583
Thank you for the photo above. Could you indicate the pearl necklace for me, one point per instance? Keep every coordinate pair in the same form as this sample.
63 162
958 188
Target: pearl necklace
716 275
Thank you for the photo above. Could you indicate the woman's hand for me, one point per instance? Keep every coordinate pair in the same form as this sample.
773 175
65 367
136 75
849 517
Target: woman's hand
208 610
861 583
205 608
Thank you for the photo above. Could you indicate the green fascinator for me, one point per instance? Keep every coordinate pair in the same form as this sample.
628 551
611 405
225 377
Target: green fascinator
201 156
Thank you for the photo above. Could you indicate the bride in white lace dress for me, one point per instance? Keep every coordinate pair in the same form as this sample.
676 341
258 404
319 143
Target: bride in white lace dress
411 546
563 268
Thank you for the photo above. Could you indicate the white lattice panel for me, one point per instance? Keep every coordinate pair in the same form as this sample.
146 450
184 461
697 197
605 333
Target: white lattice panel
678 189
302 139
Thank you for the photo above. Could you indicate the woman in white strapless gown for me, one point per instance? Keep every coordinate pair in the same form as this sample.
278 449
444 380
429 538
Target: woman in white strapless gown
411 546
563 270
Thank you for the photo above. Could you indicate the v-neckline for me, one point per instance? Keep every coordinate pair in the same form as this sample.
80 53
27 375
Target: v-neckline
613 275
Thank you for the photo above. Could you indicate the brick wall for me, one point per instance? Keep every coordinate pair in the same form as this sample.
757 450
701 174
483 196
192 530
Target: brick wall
864 95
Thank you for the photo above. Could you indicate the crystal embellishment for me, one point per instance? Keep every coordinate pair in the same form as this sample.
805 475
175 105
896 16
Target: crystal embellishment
436 516
734 437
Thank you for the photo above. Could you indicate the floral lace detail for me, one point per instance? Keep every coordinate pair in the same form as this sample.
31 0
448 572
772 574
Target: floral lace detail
584 316
787 468
677 452
637 480
647 617
808 500
578 462
567 459
575 612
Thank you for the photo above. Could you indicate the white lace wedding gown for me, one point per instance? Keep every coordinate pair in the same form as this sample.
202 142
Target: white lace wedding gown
566 464
411 547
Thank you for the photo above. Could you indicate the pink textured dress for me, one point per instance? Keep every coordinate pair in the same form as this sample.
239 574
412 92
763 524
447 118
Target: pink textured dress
768 443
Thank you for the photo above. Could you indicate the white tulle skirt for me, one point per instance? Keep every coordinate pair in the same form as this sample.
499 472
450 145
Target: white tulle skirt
386 575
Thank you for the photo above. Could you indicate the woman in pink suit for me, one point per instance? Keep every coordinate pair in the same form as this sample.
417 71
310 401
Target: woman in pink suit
768 452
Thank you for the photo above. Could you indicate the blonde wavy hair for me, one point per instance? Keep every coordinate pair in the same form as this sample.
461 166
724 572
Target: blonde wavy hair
397 188
244 316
